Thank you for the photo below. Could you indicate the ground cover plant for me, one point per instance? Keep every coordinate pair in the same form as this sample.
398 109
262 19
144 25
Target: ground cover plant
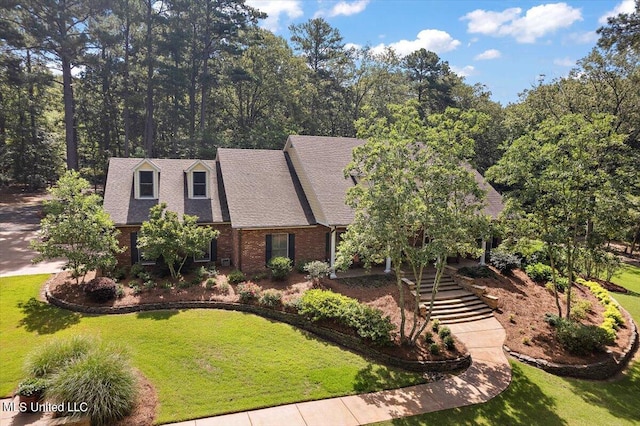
243 363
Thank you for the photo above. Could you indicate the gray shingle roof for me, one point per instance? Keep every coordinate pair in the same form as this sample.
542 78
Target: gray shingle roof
322 161
120 203
262 189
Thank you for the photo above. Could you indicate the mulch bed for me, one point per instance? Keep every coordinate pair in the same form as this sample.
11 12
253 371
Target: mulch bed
377 291
523 304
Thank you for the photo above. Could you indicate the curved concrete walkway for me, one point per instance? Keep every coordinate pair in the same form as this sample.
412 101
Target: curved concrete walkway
488 375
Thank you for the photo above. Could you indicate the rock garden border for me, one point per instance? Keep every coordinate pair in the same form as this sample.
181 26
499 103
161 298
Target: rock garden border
345 340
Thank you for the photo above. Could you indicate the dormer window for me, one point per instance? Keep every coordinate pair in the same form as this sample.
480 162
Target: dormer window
146 183
146 176
199 184
198 177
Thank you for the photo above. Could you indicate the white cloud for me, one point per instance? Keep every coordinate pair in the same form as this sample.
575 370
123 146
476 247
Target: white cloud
586 37
464 71
625 6
537 22
347 9
488 54
564 62
488 22
274 9
434 40
356 46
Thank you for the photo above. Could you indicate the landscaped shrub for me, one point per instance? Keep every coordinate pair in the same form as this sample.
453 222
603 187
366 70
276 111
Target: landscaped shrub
561 284
259 276
280 267
317 270
539 272
435 325
248 292
102 379
434 348
271 298
294 304
610 328
224 288
611 265
444 332
530 251
149 285
56 354
579 309
101 289
475 271
200 274
236 277
612 311
428 337
300 264
135 270
210 284
449 342
119 291
581 339
368 322
504 261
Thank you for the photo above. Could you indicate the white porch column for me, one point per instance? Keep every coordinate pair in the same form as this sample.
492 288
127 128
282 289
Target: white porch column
387 266
483 258
333 254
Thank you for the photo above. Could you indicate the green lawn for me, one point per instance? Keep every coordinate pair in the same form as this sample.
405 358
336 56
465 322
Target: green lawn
538 398
202 362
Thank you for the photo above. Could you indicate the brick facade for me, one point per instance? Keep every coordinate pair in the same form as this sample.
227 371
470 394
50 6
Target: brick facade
310 244
224 243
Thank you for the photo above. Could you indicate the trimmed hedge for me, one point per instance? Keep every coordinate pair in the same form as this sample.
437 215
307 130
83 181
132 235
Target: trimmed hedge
280 267
367 322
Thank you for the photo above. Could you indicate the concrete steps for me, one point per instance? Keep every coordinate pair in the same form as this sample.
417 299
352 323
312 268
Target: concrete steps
452 304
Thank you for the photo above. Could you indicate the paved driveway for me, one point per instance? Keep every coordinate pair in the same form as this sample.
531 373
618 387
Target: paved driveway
19 223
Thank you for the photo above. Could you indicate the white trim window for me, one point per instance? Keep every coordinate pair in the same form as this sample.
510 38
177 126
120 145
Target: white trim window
199 189
279 245
146 183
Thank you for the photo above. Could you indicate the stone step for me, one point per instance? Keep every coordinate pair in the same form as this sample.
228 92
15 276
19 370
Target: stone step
444 295
441 287
458 307
466 319
447 315
457 300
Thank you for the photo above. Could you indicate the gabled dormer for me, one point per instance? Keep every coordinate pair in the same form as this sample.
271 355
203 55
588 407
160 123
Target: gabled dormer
146 180
199 180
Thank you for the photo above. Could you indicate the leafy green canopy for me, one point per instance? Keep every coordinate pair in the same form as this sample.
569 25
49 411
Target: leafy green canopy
77 228
164 235
416 200
559 180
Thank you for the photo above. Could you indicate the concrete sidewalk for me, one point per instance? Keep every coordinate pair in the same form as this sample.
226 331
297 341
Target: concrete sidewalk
487 377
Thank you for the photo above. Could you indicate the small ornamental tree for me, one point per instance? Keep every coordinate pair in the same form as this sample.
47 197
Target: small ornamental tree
165 235
76 228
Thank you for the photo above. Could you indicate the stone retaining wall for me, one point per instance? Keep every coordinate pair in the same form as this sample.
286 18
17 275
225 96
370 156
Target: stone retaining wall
342 339
598 371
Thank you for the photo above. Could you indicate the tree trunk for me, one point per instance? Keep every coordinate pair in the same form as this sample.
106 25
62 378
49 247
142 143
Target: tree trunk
126 115
148 122
69 122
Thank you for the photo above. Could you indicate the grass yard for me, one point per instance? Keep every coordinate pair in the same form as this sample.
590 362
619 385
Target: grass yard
202 362
538 398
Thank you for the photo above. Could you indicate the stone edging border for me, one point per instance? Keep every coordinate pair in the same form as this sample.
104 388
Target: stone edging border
334 336
597 371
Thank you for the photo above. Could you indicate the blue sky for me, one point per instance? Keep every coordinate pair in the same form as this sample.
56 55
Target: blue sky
505 45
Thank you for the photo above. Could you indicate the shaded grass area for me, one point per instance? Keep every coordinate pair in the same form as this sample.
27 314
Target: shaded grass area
202 362
535 397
